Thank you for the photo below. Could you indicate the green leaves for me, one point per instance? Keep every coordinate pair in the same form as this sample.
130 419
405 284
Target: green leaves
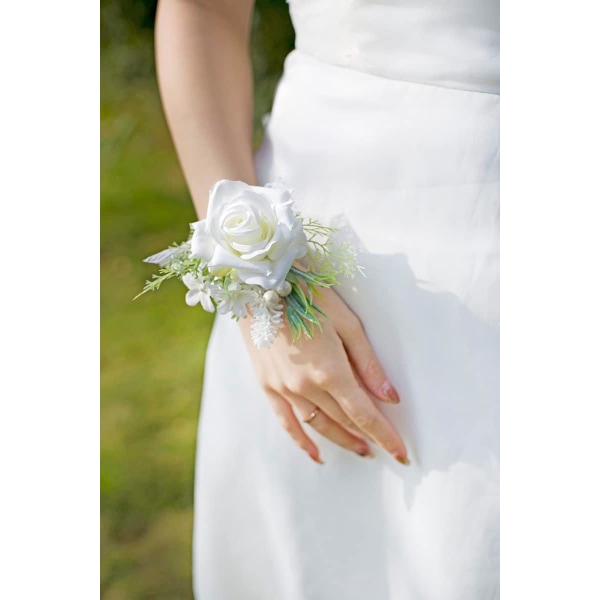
157 280
327 261
315 278
302 313
179 266
328 253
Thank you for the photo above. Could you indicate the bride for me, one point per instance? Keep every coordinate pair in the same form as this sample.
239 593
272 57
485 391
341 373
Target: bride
385 123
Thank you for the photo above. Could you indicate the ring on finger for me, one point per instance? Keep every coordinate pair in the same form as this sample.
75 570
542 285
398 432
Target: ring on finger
312 415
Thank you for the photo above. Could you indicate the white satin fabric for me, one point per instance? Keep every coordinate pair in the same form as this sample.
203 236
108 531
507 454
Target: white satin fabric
450 43
399 145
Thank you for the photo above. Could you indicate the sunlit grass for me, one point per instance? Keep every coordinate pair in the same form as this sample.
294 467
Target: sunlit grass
152 349
152 356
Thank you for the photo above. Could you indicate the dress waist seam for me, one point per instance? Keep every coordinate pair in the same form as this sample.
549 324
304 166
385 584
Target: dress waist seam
312 57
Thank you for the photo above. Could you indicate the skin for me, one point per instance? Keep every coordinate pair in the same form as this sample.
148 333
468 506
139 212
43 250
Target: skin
205 81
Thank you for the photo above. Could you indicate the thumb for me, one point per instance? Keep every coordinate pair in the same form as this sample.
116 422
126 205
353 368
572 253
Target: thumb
365 362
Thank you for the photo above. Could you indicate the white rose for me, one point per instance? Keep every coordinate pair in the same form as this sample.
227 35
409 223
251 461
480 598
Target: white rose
251 232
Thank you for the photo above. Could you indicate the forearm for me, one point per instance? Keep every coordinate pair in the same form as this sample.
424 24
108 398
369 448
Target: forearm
205 81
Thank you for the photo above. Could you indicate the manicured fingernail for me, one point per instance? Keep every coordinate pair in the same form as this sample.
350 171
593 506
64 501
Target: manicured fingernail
402 459
389 392
317 459
365 451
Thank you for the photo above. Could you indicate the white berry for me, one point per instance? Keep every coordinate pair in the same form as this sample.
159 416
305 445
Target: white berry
271 298
285 289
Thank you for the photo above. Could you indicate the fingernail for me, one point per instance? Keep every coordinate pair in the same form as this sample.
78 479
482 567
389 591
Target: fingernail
389 392
317 459
402 459
365 452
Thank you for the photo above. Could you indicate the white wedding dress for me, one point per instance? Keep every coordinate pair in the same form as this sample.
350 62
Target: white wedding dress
385 122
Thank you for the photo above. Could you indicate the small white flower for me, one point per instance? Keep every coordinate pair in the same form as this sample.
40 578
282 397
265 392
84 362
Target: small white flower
263 331
234 299
199 292
277 316
265 322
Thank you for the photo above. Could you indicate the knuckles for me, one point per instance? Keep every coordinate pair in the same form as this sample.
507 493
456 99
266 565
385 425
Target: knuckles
322 379
300 386
309 382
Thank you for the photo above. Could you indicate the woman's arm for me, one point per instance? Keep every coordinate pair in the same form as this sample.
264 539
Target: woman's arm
205 81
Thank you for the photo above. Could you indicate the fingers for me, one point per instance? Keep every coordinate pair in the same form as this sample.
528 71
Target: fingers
365 361
325 401
327 427
290 423
359 407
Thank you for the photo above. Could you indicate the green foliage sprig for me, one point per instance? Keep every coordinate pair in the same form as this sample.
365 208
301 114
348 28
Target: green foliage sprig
328 260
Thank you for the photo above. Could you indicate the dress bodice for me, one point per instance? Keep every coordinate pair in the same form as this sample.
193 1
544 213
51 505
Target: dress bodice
448 43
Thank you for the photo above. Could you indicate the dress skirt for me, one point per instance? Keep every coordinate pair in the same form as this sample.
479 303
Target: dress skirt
409 172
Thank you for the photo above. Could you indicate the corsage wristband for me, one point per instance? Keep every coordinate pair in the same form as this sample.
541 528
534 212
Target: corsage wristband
240 260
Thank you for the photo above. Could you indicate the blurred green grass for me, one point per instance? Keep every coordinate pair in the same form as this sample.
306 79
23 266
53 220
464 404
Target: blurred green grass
152 349
152 354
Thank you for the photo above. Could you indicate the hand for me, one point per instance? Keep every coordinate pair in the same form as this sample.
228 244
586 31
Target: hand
335 378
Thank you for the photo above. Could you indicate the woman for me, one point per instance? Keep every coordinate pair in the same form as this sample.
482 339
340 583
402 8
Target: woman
385 122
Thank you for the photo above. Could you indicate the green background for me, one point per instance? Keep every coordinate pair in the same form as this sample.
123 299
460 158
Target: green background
152 349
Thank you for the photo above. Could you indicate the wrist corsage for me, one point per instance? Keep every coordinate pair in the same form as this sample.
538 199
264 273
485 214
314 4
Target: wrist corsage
255 255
